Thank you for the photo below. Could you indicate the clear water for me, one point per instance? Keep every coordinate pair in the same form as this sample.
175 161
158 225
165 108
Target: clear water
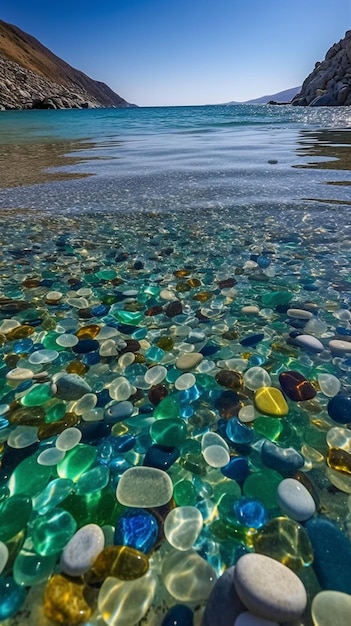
167 159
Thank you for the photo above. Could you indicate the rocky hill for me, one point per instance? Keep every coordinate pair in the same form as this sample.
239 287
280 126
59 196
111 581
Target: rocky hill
31 76
330 82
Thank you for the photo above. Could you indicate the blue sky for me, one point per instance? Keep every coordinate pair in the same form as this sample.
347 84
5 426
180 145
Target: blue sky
179 52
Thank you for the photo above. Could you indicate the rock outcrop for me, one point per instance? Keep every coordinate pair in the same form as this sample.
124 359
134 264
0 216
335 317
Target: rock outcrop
330 82
32 77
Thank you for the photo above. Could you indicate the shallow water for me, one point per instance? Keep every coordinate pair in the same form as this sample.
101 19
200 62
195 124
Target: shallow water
194 231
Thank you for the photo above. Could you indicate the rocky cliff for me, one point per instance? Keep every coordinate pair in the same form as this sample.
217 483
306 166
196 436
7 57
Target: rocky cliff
330 82
31 76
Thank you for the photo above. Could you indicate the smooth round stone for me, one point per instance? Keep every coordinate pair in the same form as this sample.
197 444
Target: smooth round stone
54 296
295 500
269 589
71 387
124 603
52 531
237 469
185 381
22 437
247 414
4 555
239 433
339 480
216 456
188 360
50 456
29 477
309 343
7 325
284 460
118 412
250 512
299 314
65 601
224 604
121 562
137 529
144 487
338 437
43 356
271 401
82 549
229 379
108 348
329 384
77 461
286 541
339 408
238 365
188 577
339 346
331 607
296 386
19 374
93 480
155 375
12 596
332 554
256 377
67 340
121 389
182 527
250 619
250 310
213 439
85 403
68 439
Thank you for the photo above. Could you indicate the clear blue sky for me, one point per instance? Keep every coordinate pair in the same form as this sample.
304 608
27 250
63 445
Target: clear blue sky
178 52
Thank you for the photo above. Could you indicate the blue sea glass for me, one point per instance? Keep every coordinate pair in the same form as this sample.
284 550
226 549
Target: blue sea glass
250 512
12 597
237 469
138 529
178 615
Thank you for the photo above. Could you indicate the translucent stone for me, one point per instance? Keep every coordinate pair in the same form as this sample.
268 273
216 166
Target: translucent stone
329 384
182 527
82 549
216 456
296 386
94 480
123 562
144 487
213 439
85 403
331 607
14 514
38 395
188 361
55 492
263 485
247 414
229 379
188 577
250 512
12 596
22 437
7 325
138 529
121 389
184 493
339 460
65 601
286 541
29 477
338 437
169 432
31 568
108 348
52 531
77 461
4 555
124 603
68 439
94 415
50 456
67 340
43 356
256 377
238 365
155 375
270 400
339 480
126 359
185 381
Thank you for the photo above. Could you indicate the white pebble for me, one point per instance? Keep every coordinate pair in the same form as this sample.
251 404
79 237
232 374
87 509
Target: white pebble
82 550
68 439
295 500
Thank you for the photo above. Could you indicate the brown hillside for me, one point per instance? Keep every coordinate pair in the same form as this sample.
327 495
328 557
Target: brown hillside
21 48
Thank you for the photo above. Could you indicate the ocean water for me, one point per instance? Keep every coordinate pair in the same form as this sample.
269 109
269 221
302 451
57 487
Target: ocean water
166 159
192 266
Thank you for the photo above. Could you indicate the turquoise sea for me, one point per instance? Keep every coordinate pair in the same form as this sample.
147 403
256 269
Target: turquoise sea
175 359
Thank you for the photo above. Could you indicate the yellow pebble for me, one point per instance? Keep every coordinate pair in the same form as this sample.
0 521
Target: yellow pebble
65 601
120 561
270 400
